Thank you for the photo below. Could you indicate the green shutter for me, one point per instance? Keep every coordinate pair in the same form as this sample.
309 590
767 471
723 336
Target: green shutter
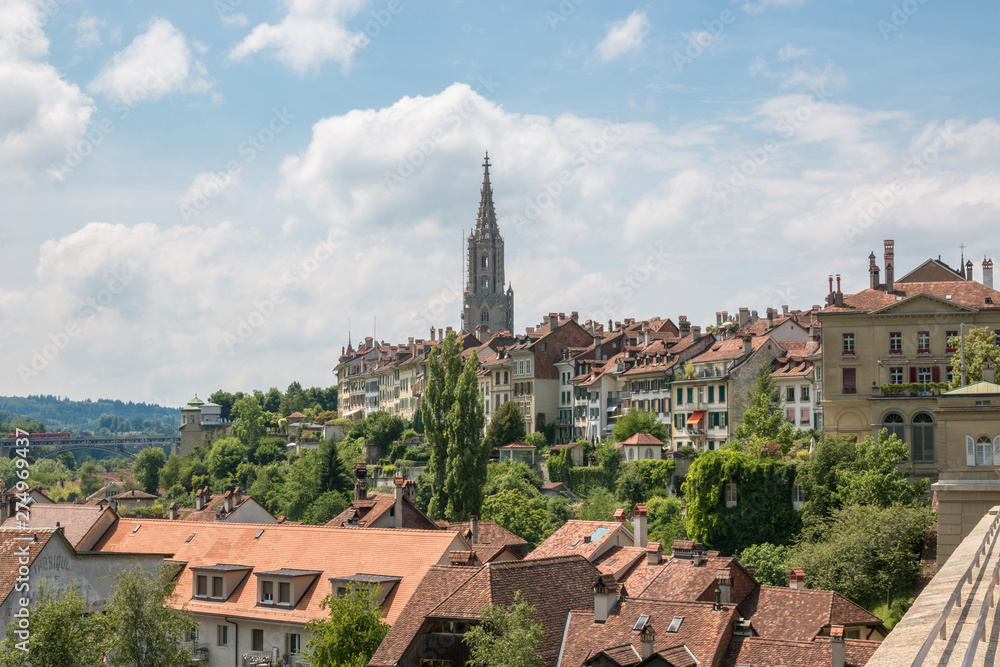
711 394
680 397
690 395
722 393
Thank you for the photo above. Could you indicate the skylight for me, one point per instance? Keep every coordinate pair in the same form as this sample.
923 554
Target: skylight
641 623
575 542
190 537
259 533
136 528
598 534
675 624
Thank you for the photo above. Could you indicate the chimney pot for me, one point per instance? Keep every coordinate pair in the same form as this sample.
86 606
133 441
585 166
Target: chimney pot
654 553
474 528
838 657
988 272
797 578
648 638
639 527
695 333
890 262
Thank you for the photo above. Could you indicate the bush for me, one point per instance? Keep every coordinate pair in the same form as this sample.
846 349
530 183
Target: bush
600 506
583 480
558 465
771 562
665 521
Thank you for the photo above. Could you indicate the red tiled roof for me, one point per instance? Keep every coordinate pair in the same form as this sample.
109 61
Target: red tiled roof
375 507
570 539
681 579
731 348
617 560
213 510
704 630
439 583
296 415
141 495
11 555
642 439
336 552
76 520
966 293
492 540
761 651
517 445
799 614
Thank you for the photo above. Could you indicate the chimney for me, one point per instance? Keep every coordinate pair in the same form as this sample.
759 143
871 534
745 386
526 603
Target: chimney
199 500
873 271
398 508
751 570
173 511
797 578
237 496
360 481
575 316
784 309
553 321
695 333
683 325
648 638
597 348
829 295
838 296
890 261
474 528
654 553
432 335
440 334
697 556
411 490
639 526
724 579
227 501
968 270
747 344
988 272
621 516
770 317
744 317
718 319
989 371
837 646
605 597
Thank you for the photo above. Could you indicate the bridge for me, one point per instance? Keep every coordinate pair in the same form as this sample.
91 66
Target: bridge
125 445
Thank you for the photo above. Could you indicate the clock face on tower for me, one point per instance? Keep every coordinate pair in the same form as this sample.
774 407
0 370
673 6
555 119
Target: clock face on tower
487 308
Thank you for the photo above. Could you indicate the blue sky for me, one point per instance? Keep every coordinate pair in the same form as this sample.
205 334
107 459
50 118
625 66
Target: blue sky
200 195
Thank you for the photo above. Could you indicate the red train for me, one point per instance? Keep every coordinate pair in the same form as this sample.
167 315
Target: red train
60 435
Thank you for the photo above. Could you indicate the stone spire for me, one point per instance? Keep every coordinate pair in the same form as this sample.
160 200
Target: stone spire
487 219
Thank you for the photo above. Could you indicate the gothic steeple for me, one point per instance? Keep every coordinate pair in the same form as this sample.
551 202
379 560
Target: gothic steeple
487 219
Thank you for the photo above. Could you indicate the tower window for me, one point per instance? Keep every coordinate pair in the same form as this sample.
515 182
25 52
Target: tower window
484 316
486 283
485 262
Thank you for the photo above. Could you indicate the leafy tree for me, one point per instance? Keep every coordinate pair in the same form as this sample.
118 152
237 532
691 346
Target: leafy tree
600 506
762 416
507 426
147 468
639 481
875 477
302 485
139 625
333 474
538 440
443 370
223 460
382 429
507 636
424 491
62 634
90 482
66 493
610 461
666 523
467 456
269 487
639 421
511 475
249 425
980 347
351 634
771 562
558 465
225 400
523 515
272 400
268 450
324 508
294 400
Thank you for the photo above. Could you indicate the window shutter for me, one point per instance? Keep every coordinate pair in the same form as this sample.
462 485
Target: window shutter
913 373
970 450
996 451
935 373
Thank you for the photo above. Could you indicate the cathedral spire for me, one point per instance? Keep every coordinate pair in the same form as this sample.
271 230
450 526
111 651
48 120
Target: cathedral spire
487 219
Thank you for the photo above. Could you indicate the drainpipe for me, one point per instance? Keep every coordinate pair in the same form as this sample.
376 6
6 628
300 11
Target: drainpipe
236 639
963 354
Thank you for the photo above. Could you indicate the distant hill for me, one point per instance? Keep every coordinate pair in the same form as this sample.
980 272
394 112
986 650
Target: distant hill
62 414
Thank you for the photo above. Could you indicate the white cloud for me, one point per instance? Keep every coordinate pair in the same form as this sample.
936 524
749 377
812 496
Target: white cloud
206 187
42 114
235 19
88 31
761 5
827 79
624 36
157 62
312 33
789 52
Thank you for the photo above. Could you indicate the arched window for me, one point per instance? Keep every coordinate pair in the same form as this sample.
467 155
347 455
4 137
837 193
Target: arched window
893 422
649 452
631 454
922 442
984 451
485 263
484 316
485 283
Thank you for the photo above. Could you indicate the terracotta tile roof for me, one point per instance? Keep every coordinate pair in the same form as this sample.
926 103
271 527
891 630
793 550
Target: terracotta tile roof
681 579
76 520
133 495
641 439
570 538
10 553
214 509
966 293
439 583
375 507
296 415
552 585
799 614
336 552
618 561
760 651
492 540
517 445
731 348
704 631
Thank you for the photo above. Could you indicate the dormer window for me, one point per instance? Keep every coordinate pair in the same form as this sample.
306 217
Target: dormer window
283 588
217 582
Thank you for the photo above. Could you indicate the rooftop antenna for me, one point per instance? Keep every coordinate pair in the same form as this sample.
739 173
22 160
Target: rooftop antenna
348 332
961 262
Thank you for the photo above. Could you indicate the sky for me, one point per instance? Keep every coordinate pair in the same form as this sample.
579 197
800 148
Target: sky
202 195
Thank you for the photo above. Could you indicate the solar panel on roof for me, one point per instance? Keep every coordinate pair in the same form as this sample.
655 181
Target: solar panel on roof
598 534
641 622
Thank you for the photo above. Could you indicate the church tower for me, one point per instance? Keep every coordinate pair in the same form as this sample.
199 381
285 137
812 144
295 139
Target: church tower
486 307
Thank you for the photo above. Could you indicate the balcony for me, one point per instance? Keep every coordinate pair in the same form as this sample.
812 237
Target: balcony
909 390
199 652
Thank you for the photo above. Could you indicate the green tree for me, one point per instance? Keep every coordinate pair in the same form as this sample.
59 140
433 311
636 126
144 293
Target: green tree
294 400
639 421
443 370
610 460
272 400
333 474
147 468
762 416
600 506
507 426
62 634
352 632
666 522
980 347
511 475
302 485
770 561
558 465
875 476
223 460
90 482
382 429
139 624
249 425
225 400
524 515
507 636
467 456
324 508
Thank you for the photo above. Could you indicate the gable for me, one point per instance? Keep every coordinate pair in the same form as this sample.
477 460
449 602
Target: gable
923 303
931 271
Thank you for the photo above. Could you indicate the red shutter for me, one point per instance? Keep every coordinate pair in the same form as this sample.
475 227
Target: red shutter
913 373
935 373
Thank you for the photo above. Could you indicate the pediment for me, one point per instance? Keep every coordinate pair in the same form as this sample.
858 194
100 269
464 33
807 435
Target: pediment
923 303
931 271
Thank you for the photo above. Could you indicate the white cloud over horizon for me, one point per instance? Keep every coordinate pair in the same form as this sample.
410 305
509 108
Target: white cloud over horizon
624 36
